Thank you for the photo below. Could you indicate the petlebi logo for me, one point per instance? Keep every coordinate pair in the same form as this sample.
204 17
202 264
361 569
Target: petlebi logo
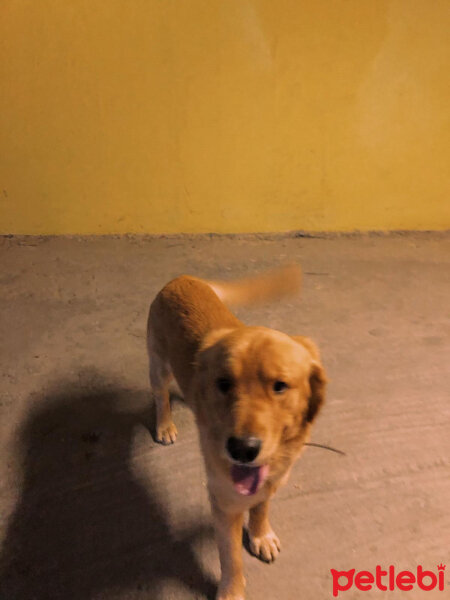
388 579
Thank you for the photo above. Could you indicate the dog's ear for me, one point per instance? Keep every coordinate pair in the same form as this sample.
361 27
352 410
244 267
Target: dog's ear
208 347
317 384
317 378
205 363
214 336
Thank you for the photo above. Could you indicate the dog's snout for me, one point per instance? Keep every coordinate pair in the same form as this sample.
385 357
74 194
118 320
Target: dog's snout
243 449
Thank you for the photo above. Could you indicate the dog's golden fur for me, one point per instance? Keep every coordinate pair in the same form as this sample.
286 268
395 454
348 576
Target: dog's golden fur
195 338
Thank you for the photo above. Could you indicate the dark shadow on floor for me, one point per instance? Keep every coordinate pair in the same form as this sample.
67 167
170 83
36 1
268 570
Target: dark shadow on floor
83 525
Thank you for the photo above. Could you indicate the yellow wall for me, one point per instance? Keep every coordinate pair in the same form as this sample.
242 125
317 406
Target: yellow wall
224 115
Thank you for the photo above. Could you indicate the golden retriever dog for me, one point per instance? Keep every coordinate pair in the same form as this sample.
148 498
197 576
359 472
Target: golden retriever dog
254 391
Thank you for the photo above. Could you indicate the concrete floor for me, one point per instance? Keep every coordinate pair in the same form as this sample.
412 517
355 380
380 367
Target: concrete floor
91 507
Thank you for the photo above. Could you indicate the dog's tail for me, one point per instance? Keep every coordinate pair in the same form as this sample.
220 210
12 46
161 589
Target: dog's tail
274 284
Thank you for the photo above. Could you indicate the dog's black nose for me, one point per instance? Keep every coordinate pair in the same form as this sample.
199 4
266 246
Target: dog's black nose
243 449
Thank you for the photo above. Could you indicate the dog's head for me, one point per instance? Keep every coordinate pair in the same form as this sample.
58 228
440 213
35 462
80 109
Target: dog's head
257 391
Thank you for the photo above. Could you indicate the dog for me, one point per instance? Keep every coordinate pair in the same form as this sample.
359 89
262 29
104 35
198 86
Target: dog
254 391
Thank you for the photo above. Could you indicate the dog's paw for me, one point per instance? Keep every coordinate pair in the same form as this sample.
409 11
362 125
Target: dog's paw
166 434
231 589
224 595
265 547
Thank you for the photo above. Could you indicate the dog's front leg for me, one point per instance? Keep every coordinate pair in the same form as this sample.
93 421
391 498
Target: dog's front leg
228 527
263 542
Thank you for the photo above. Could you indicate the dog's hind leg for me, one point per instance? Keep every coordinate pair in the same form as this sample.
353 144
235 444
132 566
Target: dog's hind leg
160 378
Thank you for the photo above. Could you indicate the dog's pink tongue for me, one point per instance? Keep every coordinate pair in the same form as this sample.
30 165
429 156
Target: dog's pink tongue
248 480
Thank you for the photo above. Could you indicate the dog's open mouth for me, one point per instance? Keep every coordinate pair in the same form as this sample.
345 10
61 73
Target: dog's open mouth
248 480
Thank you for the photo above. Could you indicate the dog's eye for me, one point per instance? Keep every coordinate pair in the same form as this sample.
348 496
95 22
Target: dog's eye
280 386
224 384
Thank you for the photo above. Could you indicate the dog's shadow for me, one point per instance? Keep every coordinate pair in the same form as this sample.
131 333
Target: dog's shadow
84 527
